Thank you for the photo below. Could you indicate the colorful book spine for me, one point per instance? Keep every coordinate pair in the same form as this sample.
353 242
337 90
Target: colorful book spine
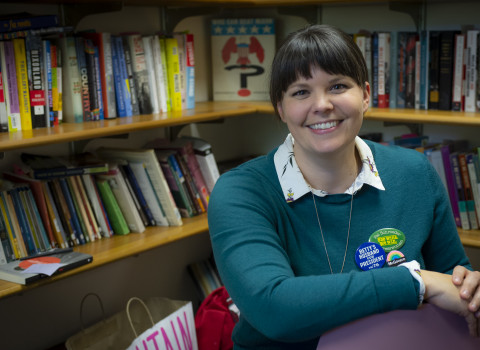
72 91
114 213
160 77
467 188
471 71
84 77
69 200
10 83
131 77
120 80
35 70
383 64
190 70
3 105
48 82
28 23
22 83
173 71
458 73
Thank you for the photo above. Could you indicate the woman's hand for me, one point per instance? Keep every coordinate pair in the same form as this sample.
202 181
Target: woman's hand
469 286
440 291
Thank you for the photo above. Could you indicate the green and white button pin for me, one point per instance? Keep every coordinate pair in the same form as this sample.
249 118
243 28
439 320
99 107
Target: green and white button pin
389 238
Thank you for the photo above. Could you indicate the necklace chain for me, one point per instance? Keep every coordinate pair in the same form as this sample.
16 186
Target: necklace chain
323 239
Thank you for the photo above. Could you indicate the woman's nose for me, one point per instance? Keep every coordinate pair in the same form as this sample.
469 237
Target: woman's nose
322 102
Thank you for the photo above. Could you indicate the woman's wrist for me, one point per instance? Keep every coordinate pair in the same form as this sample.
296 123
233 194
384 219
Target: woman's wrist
414 269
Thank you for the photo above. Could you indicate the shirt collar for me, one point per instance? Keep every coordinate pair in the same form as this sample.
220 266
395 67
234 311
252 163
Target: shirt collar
294 185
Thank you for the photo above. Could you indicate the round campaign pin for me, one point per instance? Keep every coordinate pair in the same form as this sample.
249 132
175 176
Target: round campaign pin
395 257
389 238
369 256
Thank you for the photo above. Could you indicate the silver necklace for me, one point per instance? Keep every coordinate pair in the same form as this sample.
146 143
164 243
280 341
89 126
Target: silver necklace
323 239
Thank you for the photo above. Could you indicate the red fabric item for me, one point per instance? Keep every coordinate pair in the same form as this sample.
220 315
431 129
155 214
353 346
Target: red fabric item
214 322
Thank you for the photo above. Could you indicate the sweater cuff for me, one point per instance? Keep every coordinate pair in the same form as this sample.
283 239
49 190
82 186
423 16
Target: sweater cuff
414 268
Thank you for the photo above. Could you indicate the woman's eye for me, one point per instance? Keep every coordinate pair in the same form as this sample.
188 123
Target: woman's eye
300 93
338 87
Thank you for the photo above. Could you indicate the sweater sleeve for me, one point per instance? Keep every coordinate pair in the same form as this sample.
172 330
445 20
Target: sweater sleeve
254 266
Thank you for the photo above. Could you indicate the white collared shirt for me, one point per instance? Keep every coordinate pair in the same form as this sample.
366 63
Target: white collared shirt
294 185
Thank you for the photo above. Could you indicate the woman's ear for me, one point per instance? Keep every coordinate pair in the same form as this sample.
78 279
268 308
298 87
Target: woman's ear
280 111
366 96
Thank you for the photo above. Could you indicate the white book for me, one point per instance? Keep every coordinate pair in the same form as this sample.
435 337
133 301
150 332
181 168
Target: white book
152 80
124 198
159 74
147 190
155 174
96 205
71 81
471 71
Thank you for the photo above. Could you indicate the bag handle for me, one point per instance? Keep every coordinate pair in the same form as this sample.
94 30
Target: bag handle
81 307
129 317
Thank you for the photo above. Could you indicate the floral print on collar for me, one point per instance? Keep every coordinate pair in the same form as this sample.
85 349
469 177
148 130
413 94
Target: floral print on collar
294 185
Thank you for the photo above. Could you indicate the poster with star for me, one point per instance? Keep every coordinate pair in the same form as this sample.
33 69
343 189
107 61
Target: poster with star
242 53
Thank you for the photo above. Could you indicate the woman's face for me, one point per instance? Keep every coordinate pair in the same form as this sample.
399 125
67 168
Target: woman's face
324 113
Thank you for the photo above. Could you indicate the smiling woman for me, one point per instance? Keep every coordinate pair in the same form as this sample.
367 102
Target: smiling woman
328 228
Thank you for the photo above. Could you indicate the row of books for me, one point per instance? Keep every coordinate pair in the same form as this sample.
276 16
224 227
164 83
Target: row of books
51 202
205 276
92 76
458 166
435 69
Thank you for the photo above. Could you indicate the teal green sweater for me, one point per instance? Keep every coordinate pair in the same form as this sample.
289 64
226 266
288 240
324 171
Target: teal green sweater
272 261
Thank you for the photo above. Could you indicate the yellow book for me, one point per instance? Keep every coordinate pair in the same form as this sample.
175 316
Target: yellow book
173 71
13 239
22 83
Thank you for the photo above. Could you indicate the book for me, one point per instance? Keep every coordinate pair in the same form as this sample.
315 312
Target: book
84 78
70 201
160 74
38 193
473 165
98 207
374 81
467 188
241 57
152 79
181 66
94 84
173 73
72 91
57 227
131 77
47 81
124 199
80 209
139 68
446 69
36 221
15 204
410 70
6 250
163 54
122 90
3 105
115 215
17 244
471 70
176 181
206 161
462 201
57 82
85 202
25 21
424 59
10 85
15 270
185 149
131 179
22 83
434 69
103 41
49 167
383 69
35 71
458 96
148 158
190 70
63 213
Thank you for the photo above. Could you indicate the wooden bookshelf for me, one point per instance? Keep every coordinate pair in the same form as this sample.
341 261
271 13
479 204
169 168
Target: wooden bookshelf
108 250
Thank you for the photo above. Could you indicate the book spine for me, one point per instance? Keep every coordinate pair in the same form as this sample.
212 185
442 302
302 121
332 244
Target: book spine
57 228
471 71
89 50
22 83
23 223
135 200
182 63
173 70
48 82
84 77
72 210
446 70
49 242
410 71
14 223
63 213
383 48
72 92
462 204
9 228
190 186
469 199
152 80
160 78
81 215
6 249
137 54
13 107
434 70
190 71
3 105
375 69
424 57
106 70
163 54
458 73
131 78
120 92
97 205
35 70
114 213
472 163
402 66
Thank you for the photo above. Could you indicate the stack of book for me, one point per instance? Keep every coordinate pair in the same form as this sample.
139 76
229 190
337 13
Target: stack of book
54 202
435 69
51 75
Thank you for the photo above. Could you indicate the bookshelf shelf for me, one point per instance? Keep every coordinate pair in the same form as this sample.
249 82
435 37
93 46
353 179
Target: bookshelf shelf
108 250
203 112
